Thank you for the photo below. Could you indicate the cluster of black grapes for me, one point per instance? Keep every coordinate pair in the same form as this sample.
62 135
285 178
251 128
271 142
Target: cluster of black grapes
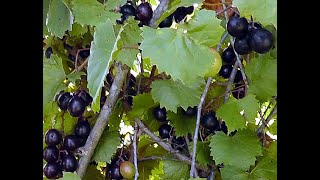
59 152
144 13
249 36
75 103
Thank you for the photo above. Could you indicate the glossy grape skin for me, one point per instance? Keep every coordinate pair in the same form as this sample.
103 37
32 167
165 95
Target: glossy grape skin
71 142
239 91
53 137
51 170
210 121
48 52
69 163
76 106
225 71
114 172
160 114
63 100
261 40
127 169
82 129
165 131
241 45
237 27
144 12
228 56
51 154
238 77
167 22
191 111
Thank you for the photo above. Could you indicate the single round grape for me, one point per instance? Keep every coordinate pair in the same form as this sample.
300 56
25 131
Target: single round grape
63 100
210 121
191 111
48 52
51 154
239 91
225 71
237 27
144 12
160 114
51 170
53 137
82 129
71 142
165 131
241 45
228 56
69 163
76 106
127 169
261 40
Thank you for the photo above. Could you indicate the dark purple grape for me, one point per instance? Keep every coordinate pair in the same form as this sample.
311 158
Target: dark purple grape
210 121
261 40
51 170
160 114
225 71
86 97
239 91
241 45
237 27
71 142
69 163
114 172
63 100
228 56
167 22
128 10
179 143
181 12
238 77
76 106
165 131
48 52
191 111
82 129
51 154
72 57
53 137
84 53
144 12
253 26
223 127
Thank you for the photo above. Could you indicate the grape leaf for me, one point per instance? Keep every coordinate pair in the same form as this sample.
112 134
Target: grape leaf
172 94
69 123
130 37
145 168
181 123
70 176
152 123
273 128
93 173
101 56
174 4
107 146
74 76
115 119
204 28
157 172
262 74
230 112
239 150
203 152
141 104
78 30
263 11
176 54
197 178
53 76
45 7
111 4
233 173
175 170
91 12
59 18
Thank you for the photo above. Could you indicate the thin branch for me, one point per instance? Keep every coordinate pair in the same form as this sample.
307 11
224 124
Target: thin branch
272 113
103 118
77 55
135 159
224 37
156 158
230 82
167 146
195 138
81 66
161 8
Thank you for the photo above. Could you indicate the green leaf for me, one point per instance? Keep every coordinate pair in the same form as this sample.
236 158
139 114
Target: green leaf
176 54
233 173
74 76
69 123
273 128
175 170
203 152
93 173
239 150
141 104
174 4
115 119
230 112
145 168
204 27
101 56
107 146
181 123
265 169
263 11
59 18
197 178
111 4
130 37
78 30
70 176
262 74
172 94
45 7
53 77
91 12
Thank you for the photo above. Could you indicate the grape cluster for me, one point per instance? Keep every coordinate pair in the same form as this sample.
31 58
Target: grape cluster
144 14
249 36
59 152
75 103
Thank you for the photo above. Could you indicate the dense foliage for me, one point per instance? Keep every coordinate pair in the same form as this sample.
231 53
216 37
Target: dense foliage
171 55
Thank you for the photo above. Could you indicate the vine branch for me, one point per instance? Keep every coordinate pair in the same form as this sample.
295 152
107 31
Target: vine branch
272 113
103 118
161 8
167 146
195 138
135 159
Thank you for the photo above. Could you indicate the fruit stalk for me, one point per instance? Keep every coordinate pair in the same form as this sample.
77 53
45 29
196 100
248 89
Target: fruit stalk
161 8
167 146
195 138
135 158
272 113
103 118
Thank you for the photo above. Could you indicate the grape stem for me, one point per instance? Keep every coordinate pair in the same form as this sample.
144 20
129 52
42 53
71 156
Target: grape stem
161 8
224 37
77 55
195 138
81 66
167 146
102 119
156 158
272 113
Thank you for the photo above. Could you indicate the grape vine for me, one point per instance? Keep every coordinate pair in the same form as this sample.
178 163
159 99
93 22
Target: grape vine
165 89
